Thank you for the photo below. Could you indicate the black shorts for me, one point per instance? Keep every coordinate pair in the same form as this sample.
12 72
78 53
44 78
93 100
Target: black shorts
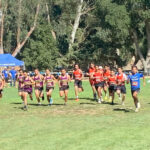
64 88
78 83
122 88
112 88
49 88
39 88
137 90
100 84
1 91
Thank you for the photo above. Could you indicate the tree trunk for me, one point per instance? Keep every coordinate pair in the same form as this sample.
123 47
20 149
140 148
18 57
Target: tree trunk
19 22
21 44
48 19
137 47
147 24
76 24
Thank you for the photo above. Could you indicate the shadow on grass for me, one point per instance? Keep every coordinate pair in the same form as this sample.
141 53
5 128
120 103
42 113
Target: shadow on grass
88 103
31 104
16 103
84 98
123 109
21 108
109 103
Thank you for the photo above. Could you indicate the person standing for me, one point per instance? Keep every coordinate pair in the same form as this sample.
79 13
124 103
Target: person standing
98 82
1 84
28 82
38 87
112 82
5 73
13 73
77 75
20 81
106 77
134 79
121 88
63 81
91 80
49 80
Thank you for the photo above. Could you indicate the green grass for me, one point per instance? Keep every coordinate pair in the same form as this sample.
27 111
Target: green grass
83 125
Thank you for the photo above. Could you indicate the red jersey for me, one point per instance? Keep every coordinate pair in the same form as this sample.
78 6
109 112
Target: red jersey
98 77
77 74
112 80
91 70
121 79
106 75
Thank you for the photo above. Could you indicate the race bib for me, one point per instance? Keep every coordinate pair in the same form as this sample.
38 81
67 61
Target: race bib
134 83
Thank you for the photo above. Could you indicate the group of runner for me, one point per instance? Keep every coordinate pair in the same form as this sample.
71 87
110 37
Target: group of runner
101 79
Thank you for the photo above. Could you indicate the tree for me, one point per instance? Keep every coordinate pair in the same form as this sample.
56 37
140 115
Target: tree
40 51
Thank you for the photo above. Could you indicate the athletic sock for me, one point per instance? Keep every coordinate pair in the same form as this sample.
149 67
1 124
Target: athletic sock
138 105
43 97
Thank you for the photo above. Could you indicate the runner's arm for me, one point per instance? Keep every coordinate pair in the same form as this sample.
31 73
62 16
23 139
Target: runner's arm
144 83
69 78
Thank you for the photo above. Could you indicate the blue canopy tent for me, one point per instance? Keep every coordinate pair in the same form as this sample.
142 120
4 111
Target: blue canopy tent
9 60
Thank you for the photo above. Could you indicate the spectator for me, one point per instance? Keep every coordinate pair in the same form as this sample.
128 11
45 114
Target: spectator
13 73
6 75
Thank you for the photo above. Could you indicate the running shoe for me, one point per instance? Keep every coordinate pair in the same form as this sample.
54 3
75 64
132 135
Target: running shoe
106 98
77 99
25 108
99 101
137 110
51 101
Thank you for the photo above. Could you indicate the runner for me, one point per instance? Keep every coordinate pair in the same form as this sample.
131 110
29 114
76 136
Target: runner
134 80
121 89
112 86
78 75
28 82
64 79
106 76
49 80
98 82
20 80
91 72
38 80
1 84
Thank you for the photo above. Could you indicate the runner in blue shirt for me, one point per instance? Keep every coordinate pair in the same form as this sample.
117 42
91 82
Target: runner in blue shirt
134 79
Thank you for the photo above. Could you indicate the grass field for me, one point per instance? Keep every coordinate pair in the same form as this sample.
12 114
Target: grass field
83 125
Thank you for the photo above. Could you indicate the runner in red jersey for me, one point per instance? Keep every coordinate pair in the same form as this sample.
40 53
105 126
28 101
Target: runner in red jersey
1 84
121 89
91 72
112 82
106 76
98 82
64 80
78 75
